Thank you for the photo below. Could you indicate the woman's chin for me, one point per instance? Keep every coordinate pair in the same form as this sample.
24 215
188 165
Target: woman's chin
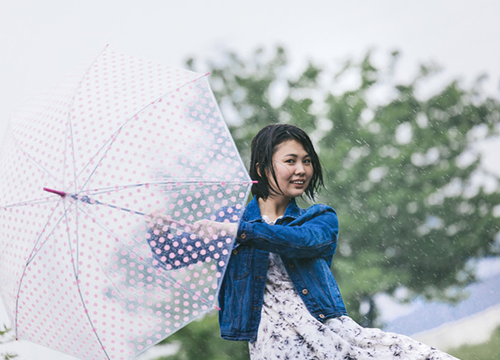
295 193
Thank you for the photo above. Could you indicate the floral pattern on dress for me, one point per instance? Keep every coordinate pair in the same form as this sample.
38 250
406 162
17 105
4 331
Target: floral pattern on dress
288 331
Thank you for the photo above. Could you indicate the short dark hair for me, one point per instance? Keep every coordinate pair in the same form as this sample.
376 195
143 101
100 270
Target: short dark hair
265 144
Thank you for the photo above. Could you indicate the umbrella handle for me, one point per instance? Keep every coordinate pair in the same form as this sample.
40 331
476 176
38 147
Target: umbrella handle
60 193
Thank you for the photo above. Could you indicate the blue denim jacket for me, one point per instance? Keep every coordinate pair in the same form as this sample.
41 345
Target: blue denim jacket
306 239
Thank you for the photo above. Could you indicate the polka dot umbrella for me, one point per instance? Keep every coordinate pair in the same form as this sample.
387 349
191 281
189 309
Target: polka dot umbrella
106 179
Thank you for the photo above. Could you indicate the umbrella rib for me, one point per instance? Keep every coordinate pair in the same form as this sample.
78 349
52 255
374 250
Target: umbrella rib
30 259
164 272
32 254
97 221
31 202
169 182
107 144
113 138
33 160
70 125
229 132
88 200
69 112
75 270
73 100
72 152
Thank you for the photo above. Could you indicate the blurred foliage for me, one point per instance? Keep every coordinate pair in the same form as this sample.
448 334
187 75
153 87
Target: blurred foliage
401 170
200 340
486 351
5 338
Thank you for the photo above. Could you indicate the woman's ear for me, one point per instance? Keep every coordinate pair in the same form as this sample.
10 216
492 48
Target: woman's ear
258 170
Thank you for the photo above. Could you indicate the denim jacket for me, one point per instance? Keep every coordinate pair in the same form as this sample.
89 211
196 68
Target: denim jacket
306 239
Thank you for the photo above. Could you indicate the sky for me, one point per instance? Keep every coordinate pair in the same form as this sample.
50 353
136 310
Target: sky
41 41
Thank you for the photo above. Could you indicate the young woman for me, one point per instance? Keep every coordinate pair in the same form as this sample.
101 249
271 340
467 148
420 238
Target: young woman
278 292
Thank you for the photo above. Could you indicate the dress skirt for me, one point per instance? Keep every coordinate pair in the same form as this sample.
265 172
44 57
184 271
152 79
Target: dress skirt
288 331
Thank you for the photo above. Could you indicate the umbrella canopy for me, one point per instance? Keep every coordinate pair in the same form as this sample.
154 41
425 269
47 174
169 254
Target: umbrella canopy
112 144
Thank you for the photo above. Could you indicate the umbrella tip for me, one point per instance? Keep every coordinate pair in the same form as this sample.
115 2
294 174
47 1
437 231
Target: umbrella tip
60 193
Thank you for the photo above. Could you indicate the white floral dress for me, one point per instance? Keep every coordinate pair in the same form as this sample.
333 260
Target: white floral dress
288 331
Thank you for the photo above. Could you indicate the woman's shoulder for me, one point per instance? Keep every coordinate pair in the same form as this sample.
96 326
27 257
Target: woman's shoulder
318 214
319 208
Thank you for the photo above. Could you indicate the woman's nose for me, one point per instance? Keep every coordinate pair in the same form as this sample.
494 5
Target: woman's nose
299 168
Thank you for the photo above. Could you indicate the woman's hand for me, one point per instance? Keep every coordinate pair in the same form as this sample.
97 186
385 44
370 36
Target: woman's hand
158 222
210 228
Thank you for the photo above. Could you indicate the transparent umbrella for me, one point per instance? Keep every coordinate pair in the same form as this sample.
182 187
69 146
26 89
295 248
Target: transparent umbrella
83 167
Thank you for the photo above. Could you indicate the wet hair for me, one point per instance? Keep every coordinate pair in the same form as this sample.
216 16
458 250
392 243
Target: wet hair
265 144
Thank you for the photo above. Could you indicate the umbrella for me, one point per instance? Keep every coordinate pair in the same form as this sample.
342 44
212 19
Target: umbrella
83 168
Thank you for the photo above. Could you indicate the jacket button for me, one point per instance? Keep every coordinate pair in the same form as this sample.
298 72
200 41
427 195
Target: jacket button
305 291
235 252
321 316
243 236
292 266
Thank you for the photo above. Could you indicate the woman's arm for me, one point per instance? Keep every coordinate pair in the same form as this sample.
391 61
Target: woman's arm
313 234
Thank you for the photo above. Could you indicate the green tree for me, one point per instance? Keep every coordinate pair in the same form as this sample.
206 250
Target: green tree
401 171
5 338
402 178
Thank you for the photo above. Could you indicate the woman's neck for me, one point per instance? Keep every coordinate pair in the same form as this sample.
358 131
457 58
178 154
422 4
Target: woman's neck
273 207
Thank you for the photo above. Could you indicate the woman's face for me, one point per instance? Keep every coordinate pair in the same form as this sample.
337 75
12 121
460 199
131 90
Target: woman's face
293 169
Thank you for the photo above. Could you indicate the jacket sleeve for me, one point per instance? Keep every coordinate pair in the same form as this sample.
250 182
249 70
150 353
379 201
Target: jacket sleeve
313 234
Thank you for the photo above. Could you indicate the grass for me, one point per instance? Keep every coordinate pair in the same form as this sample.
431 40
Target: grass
489 350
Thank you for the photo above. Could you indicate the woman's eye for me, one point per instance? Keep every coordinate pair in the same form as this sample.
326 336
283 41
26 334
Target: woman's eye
307 161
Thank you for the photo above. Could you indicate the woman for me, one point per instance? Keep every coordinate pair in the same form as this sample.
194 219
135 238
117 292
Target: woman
278 292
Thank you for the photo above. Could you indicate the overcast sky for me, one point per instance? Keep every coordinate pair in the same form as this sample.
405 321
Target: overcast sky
40 41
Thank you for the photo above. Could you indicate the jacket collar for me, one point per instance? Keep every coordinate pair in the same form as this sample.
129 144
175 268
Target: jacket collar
252 212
